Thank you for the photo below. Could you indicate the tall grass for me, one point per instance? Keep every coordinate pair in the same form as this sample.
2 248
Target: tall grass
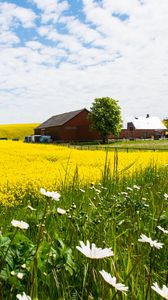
112 214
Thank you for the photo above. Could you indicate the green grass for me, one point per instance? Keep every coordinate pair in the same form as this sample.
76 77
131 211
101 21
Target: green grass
142 143
12 131
112 214
127 145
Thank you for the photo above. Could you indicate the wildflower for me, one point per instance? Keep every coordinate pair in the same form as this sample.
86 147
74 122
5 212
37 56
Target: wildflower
146 205
124 193
54 195
97 190
20 224
94 252
61 211
136 187
74 206
20 275
153 243
23 296
104 188
166 196
13 273
162 292
129 188
112 281
31 208
162 229
23 266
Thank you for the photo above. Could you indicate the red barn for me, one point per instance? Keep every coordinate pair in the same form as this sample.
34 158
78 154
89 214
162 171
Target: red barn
67 127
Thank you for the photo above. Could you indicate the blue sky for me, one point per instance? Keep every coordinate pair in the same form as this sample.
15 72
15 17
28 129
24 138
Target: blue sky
58 56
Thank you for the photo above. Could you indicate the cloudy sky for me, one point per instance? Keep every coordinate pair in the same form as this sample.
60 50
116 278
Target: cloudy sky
59 55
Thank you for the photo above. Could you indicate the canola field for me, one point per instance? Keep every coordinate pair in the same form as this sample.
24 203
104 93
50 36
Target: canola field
27 167
19 131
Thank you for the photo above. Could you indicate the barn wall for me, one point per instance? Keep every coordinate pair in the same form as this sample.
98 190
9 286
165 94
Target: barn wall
78 129
141 133
54 132
37 131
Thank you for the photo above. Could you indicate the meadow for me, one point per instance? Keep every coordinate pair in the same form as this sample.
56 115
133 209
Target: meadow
128 145
66 197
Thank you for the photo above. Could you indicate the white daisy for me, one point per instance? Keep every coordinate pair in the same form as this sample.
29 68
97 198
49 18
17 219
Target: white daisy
93 252
129 188
54 195
20 224
12 273
136 187
162 292
153 243
166 196
20 275
61 211
113 281
23 296
31 208
124 193
162 229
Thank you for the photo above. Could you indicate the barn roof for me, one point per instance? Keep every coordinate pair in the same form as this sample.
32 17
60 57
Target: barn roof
61 119
147 122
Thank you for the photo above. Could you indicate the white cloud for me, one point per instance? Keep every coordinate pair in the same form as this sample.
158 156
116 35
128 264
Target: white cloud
82 31
8 38
51 9
54 72
65 41
10 15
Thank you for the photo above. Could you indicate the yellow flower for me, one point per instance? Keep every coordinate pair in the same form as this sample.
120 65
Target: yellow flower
25 168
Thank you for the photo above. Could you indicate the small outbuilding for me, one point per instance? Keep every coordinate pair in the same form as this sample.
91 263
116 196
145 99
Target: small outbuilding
144 128
68 127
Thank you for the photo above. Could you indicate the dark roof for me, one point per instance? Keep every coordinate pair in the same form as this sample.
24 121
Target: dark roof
61 119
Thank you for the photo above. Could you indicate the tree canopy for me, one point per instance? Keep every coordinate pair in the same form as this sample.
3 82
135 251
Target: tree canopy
105 114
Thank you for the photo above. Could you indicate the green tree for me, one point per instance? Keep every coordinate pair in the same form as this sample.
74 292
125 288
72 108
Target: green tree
105 115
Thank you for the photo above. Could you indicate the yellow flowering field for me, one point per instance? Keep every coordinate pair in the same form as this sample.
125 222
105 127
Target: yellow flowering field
19 131
27 167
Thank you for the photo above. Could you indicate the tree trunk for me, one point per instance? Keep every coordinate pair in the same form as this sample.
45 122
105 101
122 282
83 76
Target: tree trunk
104 139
